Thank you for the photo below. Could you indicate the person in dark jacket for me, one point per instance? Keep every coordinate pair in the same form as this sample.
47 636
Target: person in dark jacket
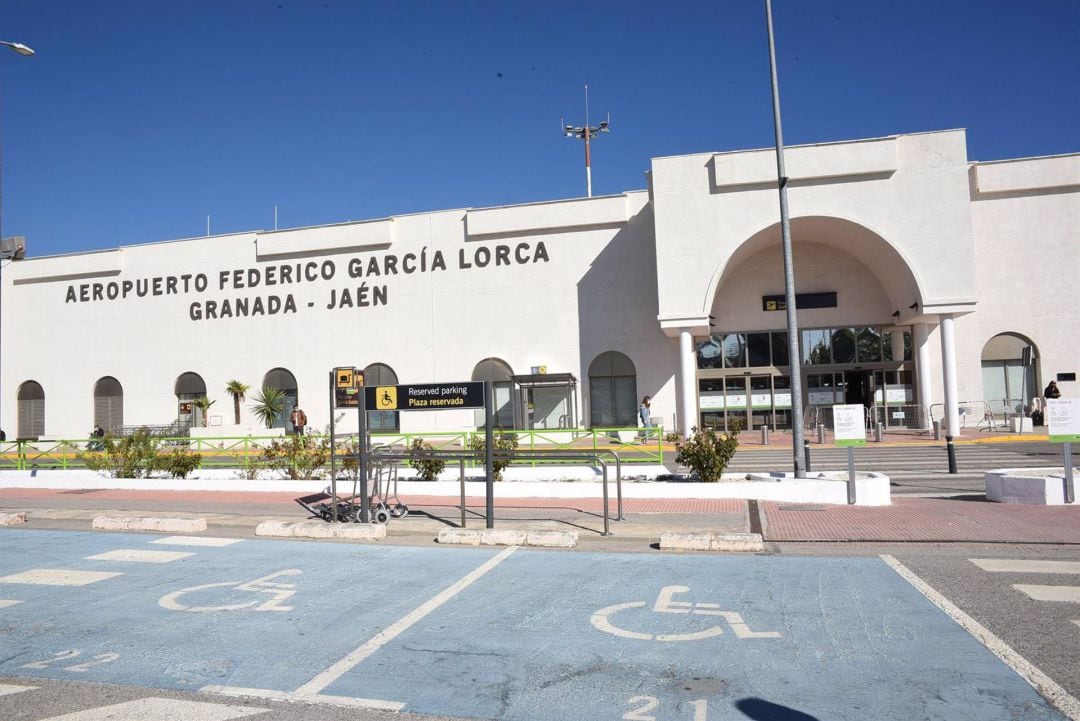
1052 390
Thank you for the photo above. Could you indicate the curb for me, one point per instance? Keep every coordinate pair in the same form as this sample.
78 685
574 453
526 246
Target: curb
12 519
709 541
148 523
323 530
507 537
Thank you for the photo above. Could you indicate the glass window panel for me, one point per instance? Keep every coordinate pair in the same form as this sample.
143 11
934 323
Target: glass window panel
734 350
993 378
757 346
815 347
736 393
602 402
710 353
843 345
779 349
869 345
887 346
626 401
907 345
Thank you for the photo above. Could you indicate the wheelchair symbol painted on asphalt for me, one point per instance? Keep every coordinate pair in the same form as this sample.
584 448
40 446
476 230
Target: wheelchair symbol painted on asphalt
665 604
279 591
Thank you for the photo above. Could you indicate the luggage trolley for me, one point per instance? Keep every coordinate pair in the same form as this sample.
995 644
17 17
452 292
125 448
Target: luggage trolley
384 494
383 501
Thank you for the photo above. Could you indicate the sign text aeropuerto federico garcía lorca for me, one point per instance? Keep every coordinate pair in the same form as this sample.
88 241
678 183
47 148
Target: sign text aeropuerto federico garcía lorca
274 275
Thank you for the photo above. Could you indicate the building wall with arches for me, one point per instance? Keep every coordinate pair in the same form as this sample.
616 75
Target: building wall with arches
910 235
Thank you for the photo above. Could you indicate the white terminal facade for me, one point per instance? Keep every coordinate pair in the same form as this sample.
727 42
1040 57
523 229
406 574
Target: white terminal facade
578 308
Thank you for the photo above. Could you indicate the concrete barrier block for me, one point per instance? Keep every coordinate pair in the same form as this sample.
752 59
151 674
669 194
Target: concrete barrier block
552 539
321 529
148 523
502 537
672 541
12 519
275 529
743 542
460 536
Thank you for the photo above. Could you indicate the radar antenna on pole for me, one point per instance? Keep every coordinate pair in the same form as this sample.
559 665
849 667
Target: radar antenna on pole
586 133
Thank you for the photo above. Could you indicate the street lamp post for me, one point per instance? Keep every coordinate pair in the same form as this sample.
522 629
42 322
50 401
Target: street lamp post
25 51
789 269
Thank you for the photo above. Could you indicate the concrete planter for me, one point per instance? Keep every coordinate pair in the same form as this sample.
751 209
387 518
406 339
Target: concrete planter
1029 486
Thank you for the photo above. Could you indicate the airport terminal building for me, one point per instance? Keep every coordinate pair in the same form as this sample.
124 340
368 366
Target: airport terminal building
915 268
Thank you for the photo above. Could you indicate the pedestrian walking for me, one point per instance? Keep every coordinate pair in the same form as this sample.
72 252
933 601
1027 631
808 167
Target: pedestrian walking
298 419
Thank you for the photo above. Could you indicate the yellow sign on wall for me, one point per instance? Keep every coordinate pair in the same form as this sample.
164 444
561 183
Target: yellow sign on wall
345 377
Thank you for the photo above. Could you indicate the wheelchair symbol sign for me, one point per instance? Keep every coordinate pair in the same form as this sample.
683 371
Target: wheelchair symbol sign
665 603
264 585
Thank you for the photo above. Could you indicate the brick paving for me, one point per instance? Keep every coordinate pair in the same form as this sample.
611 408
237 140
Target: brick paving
923 519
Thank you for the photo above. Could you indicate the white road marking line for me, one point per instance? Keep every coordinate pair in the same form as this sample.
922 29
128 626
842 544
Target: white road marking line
4 603
161 709
197 541
131 555
270 695
6 689
1050 690
1066 594
339 669
57 577
1021 565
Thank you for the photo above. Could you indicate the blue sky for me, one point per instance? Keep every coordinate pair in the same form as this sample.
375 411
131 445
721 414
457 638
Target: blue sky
137 119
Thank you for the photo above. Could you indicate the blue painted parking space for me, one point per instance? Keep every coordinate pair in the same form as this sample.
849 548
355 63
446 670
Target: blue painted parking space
505 634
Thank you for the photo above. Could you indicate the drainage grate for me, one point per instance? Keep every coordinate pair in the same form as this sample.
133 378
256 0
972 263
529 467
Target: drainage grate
801 507
80 491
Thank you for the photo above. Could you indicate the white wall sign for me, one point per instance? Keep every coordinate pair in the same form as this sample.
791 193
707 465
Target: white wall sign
1063 416
849 424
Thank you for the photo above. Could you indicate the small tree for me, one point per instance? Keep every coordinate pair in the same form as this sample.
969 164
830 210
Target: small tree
505 444
269 405
238 391
203 404
427 466
301 458
132 456
706 452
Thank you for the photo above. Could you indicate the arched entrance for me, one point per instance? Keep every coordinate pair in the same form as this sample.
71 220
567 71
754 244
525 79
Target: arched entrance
852 288
283 380
1008 386
189 387
31 413
613 400
380 374
501 375
109 405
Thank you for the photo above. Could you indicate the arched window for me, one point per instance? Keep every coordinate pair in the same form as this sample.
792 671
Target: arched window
109 405
283 380
31 400
189 386
1007 384
380 374
612 391
500 374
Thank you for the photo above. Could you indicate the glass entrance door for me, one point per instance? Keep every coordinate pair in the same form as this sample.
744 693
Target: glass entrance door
761 402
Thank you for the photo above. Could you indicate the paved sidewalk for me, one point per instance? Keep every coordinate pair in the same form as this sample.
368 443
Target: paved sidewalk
906 520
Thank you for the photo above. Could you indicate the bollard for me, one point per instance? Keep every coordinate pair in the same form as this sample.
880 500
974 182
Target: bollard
879 432
821 433
806 453
937 430
764 435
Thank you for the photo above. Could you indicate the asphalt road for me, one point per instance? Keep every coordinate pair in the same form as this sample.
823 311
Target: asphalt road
327 631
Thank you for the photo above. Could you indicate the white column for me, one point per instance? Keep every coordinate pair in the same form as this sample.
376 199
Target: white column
687 383
948 369
920 337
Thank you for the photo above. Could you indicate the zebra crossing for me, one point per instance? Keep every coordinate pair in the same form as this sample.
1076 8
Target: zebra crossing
146 709
913 469
1037 592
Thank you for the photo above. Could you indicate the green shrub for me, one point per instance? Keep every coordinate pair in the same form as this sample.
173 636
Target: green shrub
427 467
301 458
131 456
178 463
505 443
706 452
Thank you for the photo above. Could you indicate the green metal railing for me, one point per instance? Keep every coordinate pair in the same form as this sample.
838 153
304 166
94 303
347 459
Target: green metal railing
634 445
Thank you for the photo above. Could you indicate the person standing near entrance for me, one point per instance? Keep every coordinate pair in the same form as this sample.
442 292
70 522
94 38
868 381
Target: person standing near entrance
645 414
299 419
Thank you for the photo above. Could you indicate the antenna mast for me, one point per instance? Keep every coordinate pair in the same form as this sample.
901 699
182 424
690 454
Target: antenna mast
586 133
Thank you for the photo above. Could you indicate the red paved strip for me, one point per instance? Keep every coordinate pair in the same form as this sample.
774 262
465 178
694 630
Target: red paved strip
923 519
630 505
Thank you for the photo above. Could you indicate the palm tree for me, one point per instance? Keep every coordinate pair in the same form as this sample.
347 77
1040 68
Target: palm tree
269 405
203 404
238 391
